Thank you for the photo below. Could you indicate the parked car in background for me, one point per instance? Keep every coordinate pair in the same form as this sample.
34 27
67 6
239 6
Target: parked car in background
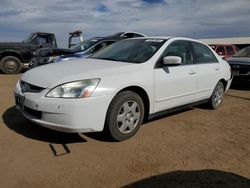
81 50
44 56
98 45
119 86
240 64
15 56
128 34
224 50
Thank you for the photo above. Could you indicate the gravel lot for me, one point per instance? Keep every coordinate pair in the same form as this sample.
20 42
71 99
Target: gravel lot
196 147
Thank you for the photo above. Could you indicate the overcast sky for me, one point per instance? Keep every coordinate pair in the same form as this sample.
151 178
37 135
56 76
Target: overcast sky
188 18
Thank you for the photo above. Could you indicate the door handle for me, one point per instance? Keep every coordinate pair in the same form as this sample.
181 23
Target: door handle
191 72
217 68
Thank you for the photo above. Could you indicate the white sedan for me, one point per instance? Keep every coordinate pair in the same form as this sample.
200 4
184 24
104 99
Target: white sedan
123 84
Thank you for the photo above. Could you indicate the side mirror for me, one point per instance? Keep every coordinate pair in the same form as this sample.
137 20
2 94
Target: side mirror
172 60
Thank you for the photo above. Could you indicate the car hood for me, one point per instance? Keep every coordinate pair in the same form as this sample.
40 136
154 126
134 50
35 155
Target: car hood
239 60
44 52
61 51
48 76
15 44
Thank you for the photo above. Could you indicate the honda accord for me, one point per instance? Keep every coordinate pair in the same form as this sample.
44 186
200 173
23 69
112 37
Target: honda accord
122 85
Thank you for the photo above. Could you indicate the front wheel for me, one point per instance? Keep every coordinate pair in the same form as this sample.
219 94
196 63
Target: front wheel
217 95
11 65
124 116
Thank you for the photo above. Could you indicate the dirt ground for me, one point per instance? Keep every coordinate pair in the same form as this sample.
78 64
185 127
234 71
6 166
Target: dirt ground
196 147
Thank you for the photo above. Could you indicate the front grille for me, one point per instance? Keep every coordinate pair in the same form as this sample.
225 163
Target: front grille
35 113
26 87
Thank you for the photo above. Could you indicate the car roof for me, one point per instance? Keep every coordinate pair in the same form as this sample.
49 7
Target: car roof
169 37
120 34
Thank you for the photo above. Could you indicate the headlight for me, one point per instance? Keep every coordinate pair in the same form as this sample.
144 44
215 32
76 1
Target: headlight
53 59
77 89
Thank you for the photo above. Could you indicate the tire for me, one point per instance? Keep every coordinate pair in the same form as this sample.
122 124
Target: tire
11 65
217 96
124 116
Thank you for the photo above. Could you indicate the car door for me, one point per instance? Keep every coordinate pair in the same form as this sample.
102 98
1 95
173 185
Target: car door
175 84
207 68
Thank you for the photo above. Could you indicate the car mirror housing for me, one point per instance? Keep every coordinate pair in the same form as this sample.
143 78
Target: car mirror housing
172 60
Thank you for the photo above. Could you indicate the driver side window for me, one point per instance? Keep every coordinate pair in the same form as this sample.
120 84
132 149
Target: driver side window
180 49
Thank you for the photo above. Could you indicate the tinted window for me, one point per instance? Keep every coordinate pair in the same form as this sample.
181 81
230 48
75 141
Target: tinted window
84 45
40 40
101 46
138 35
30 38
128 35
230 50
220 50
43 39
132 51
180 49
203 54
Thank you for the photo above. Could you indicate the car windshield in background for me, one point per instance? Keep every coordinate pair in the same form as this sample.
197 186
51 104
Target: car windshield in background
29 39
132 51
81 46
245 52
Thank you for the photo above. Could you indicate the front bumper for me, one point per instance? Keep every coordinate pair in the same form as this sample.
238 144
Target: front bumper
65 115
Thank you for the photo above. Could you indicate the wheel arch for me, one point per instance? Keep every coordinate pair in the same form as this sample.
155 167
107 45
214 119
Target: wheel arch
142 93
224 82
11 53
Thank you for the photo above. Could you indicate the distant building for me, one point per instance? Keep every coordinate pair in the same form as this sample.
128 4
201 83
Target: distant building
240 42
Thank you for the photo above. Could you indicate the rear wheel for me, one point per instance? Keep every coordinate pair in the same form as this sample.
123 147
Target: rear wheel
217 95
11 65
124 116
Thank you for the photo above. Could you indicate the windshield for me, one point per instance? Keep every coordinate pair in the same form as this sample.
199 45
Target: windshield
245 52
29 39
81 46
132 51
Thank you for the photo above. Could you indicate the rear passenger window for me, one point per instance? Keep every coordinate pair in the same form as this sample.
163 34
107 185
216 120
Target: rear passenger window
230 50
203 54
